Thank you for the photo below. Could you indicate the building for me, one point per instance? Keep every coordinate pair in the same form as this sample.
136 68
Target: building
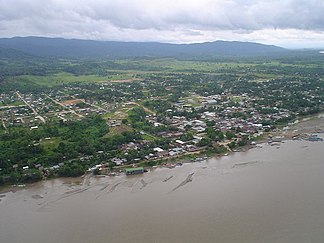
134 171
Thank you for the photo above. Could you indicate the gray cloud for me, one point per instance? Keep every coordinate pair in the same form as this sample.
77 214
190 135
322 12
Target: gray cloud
165 20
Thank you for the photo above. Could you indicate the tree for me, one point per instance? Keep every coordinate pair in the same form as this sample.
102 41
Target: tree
229 135
72 170
204 142
137 114
186 136
242 142
210 123
232 145
214 135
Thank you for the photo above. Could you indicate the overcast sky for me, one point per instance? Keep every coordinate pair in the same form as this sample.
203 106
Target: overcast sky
288 23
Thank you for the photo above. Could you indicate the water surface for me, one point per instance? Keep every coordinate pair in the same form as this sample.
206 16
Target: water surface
269 194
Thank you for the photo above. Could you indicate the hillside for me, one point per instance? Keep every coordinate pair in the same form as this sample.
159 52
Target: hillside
12 54
73 48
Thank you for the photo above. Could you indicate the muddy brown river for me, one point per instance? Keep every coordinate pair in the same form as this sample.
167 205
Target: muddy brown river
269 194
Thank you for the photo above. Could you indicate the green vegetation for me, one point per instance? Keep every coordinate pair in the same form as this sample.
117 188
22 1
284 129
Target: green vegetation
134 110
55 144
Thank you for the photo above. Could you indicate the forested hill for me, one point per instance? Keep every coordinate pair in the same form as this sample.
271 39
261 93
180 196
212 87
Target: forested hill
73 48
9 53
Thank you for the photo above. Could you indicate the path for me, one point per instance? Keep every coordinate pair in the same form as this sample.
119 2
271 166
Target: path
145 108
4 126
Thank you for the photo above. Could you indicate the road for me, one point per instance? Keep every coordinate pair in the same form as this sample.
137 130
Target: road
65 107
34 111
11 106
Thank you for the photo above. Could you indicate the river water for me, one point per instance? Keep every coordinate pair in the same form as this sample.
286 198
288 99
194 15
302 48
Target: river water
269 194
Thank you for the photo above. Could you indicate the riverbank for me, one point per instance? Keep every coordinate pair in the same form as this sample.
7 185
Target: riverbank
274 194
297 130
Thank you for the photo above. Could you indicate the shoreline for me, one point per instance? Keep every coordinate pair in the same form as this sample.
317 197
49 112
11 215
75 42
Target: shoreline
212 199
301 127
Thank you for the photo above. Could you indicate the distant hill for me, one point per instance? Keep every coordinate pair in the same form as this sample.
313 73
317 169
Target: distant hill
73 48
9 53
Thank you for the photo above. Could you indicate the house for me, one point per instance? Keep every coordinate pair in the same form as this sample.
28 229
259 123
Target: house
199 129
157 149
211 102
180 142
175 151
117 161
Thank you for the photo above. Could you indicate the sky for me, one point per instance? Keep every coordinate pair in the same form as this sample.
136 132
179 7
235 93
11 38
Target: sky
286 23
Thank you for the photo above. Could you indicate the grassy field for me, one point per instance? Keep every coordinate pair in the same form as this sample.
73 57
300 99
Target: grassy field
48 145
134 69
149 137
118 130
64 78
16 103
168 64
108 116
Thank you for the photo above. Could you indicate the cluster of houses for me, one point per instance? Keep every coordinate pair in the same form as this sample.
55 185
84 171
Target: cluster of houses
216 108
225 112
223 120
35 109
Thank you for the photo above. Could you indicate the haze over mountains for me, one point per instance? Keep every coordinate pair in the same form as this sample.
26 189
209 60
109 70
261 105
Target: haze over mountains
74 48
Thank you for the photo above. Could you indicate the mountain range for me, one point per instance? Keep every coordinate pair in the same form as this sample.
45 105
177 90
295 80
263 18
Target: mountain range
74 48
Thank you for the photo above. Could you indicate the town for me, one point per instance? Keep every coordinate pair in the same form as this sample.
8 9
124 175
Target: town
145 120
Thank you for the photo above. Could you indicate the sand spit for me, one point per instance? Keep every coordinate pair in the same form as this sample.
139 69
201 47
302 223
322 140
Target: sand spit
103 188
37 196
144 184
186 181
113 188
168 178
245 164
